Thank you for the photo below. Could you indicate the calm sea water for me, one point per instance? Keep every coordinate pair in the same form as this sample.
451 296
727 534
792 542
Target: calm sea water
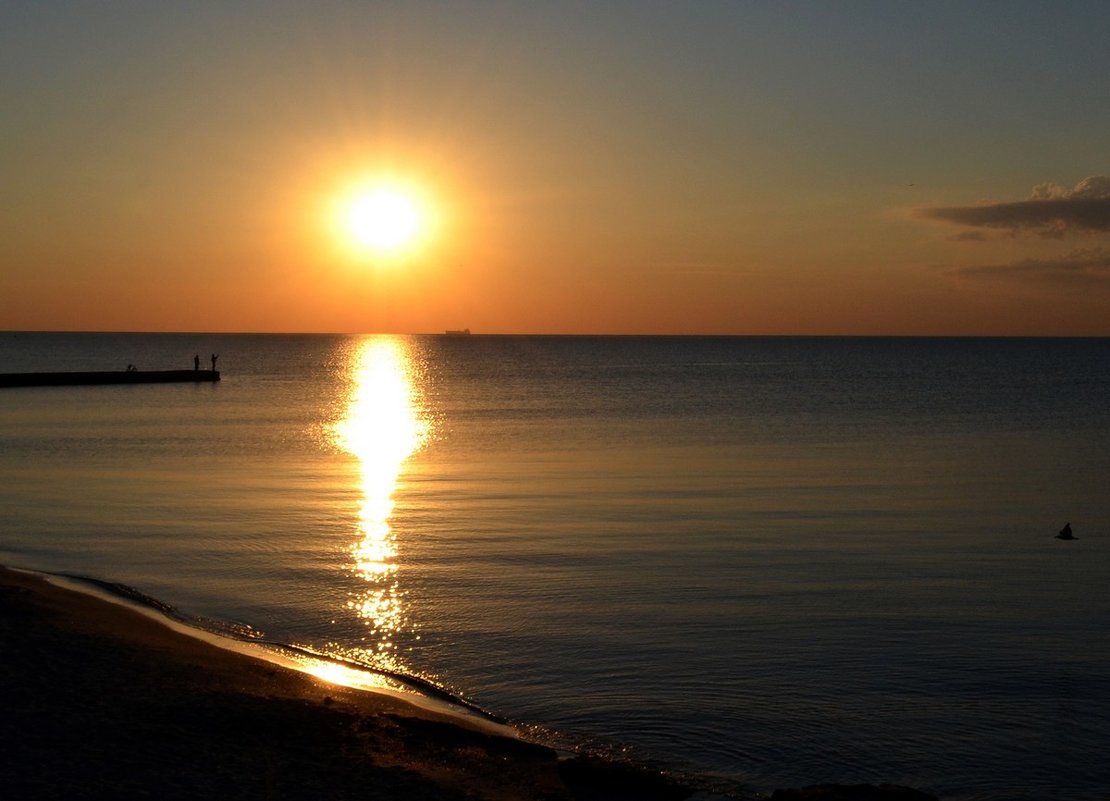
764 562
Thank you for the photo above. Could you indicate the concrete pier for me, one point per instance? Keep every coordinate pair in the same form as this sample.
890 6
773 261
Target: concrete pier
107 377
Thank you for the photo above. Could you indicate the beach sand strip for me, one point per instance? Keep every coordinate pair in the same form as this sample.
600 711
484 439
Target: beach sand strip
99 701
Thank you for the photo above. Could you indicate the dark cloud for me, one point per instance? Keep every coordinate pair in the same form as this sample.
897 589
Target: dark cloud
1085 267
969 236
1051 210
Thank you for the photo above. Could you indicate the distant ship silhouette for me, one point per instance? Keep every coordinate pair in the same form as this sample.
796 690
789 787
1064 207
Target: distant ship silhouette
1065 533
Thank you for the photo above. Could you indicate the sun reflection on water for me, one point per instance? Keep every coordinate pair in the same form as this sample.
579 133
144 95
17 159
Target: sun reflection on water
382 427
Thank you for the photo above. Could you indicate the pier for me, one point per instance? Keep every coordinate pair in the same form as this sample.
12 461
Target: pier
108 377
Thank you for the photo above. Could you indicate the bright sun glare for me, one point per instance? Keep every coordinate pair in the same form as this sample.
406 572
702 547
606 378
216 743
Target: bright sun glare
384 219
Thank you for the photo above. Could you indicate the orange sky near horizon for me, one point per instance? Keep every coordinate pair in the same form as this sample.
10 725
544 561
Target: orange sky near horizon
626 169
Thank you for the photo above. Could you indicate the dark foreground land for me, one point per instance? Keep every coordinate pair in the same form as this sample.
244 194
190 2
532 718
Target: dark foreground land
100 702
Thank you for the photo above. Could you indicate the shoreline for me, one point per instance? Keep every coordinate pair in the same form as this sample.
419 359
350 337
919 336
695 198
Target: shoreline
103 701
104 698
333 670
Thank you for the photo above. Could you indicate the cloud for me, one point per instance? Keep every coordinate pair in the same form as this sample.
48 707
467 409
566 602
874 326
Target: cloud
1085 267
1051 211
1095 187
969 236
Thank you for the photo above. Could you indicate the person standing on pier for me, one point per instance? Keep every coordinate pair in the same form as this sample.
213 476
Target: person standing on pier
196 362
214 357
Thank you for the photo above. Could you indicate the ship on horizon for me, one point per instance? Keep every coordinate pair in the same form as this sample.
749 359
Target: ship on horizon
457 332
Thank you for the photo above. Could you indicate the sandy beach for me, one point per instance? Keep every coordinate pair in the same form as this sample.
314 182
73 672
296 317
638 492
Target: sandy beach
101 702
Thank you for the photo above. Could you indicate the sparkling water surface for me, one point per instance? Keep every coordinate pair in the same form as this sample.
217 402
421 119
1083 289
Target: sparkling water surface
763 562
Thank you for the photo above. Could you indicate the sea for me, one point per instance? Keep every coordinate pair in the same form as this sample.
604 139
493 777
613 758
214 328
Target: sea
752 562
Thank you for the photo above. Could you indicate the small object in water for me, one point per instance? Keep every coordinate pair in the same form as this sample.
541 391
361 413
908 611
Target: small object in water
1065 533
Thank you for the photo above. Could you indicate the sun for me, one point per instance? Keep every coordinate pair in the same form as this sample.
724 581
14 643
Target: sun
384 219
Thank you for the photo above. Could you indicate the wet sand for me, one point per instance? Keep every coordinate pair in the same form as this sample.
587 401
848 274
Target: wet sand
99 701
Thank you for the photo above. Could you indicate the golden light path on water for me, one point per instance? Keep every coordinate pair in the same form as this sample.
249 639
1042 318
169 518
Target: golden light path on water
382 427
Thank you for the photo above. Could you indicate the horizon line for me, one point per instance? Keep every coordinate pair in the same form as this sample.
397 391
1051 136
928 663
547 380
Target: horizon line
444 333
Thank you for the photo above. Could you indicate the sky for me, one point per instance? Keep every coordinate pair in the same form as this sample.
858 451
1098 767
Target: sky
873 168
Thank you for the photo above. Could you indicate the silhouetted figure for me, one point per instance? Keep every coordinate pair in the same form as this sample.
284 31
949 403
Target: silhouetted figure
132 369
1065 533
214 357
196 362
